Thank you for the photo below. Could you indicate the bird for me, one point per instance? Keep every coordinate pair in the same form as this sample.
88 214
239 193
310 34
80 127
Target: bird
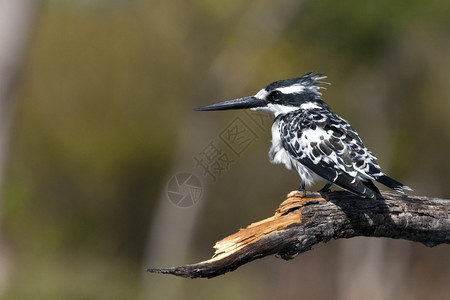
309 138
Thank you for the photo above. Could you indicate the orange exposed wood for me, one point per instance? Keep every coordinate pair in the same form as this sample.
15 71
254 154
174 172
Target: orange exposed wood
300 222
288 213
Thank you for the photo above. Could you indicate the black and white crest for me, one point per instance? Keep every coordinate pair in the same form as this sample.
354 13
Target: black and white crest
290 94
308 83
310 139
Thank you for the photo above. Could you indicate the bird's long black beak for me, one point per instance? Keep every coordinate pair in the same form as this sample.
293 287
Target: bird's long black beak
241 103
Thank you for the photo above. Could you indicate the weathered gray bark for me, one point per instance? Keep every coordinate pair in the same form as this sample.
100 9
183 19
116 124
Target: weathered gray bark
414 218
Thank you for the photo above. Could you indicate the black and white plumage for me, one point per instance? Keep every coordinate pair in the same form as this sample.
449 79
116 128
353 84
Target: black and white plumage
310 139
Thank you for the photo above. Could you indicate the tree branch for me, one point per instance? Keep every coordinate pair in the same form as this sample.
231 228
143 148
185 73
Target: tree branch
301 222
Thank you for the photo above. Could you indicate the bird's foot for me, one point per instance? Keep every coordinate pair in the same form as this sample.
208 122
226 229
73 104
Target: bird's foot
303 192
302 189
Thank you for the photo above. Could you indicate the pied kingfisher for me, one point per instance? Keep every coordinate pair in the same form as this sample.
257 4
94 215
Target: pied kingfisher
312 140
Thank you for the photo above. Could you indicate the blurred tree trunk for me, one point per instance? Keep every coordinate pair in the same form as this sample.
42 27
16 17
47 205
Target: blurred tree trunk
16 20
172 228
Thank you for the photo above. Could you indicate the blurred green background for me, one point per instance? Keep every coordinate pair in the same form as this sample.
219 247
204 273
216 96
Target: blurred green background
104 119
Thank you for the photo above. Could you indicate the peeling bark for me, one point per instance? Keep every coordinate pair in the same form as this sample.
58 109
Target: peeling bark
301 222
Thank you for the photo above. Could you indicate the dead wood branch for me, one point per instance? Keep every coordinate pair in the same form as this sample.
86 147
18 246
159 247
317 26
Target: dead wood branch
301 222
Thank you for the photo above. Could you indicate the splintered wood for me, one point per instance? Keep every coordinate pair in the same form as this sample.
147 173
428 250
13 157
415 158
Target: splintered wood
288 213
294 229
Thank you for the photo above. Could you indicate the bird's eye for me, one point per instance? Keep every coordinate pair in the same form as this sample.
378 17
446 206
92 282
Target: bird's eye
275 95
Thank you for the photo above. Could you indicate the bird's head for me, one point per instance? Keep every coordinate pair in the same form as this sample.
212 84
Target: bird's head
280 97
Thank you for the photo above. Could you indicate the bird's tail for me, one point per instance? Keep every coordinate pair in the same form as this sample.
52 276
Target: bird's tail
392 183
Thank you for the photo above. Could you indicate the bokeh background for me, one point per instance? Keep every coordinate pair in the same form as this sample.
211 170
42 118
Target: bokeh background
99 119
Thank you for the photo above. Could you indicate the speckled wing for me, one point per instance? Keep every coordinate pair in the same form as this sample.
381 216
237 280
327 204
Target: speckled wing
327 145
